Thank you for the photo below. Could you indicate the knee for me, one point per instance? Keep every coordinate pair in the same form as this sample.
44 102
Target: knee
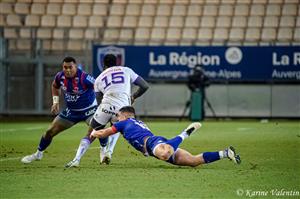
164 152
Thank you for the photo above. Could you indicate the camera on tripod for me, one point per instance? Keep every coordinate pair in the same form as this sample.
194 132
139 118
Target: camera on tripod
197 80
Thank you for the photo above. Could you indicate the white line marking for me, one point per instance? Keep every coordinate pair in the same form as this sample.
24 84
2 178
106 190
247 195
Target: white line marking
25 129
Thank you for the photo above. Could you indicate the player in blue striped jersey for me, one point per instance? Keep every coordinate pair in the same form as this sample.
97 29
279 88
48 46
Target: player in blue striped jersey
143 140
77 87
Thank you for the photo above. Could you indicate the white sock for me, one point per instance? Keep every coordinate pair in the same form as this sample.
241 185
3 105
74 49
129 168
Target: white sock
183 135
112 141
222 154
82 148
39 153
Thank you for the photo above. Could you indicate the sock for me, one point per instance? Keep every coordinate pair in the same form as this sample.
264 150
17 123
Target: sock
103 141
44 144
82 148
210 156
112 142
223 154
183 135
175 142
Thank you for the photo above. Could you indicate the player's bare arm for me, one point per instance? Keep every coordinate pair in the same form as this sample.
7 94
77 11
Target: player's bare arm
55 96
103 133
143 87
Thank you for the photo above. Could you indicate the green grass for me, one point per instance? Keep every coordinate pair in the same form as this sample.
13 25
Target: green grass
270 160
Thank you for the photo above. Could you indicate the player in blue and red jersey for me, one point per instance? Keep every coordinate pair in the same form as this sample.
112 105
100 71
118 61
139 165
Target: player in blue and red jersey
77 87
143 140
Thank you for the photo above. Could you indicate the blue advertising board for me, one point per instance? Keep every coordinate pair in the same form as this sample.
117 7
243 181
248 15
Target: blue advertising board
259 63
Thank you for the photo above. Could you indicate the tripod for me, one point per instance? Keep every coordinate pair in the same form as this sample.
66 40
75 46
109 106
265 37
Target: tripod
188 105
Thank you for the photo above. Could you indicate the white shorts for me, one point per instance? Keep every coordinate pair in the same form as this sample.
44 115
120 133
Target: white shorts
106 113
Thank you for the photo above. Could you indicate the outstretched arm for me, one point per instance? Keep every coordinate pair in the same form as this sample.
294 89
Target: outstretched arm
143 87
55 97
103 133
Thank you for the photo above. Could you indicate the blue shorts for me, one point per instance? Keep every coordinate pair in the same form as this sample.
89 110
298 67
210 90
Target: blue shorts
77 116
152 142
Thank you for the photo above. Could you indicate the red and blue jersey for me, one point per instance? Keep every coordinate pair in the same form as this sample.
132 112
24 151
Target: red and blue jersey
78 91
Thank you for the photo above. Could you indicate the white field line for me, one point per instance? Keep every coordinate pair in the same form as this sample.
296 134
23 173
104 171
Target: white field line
18 158
25 129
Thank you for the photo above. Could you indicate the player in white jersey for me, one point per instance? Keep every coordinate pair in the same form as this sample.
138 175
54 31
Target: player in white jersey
113 91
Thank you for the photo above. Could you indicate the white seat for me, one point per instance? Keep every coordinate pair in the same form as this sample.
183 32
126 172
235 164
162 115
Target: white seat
192 21
220 34
205 34
22 8
268 34
38 8
23 44
64 21
285 34
273 10
32 20
145 21
75 45
58 45
148 10
210 10
287 21
176 22
91 34
243 1
142 34
208 21
76 33
126 35
10 33
2 21
252 34
161 21
194 10
117 9
69 9
297 34
264 1
13 20
289 9
239 22
189 34
6 8
133 9
58 33
236 34
241 10
44 33
163 10
86 1
130 22
223 22
114 21
226 10
179 10
96 21
53 9
173 34
271 21
255 21
100 9
158 34
84 9
257 10
48 21
80 21
111 34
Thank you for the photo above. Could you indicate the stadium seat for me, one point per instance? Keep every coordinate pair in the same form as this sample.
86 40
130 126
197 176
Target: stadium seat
145 21
58 45
22 8
96 21
46 44
163 10
298 20
194 10
58 33
176 22
287 21
10 33
84 9
263 1
285 34
208 21
197 2
126 35
76 33
257 10
13 20
100 9
117 9
38 9
44 33
255 21
220 34
236 34
289 9
130 21
173 34
133 9
148 10
239 22
23 44
91 34
111 35
86 1
32 21
53 9
243 2
6 8
297 34
158 34
114 21
142 34
179 10
80 21
69 9
241 10
161 21
48 21
64 21
268 34
226 10
210 10
2 21
271 21
26 33
273 10
75 45
192 21
223 22
189 34
205 34
252 34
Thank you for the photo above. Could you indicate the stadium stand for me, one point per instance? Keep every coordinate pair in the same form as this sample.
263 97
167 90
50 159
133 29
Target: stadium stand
149 22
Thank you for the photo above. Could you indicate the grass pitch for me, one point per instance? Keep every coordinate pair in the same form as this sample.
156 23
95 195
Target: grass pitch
270 166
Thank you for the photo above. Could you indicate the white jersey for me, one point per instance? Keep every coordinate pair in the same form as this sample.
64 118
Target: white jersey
115 84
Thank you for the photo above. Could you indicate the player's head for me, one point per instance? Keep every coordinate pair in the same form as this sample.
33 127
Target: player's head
109 60
69 67
126 112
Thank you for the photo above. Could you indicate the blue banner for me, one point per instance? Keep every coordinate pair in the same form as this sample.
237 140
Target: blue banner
278 63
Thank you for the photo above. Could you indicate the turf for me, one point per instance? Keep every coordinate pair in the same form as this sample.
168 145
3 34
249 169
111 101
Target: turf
270 161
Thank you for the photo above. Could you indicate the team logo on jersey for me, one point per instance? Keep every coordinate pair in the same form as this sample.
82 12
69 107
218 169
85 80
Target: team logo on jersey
118 52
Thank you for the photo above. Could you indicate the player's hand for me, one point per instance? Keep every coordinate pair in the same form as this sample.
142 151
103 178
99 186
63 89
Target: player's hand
55 109
94 134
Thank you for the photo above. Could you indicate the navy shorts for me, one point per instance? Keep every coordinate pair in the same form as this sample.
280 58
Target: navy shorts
77 116
153 141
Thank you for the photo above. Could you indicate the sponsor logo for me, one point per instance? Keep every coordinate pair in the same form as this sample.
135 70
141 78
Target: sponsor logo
108 111
233 55
118 52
